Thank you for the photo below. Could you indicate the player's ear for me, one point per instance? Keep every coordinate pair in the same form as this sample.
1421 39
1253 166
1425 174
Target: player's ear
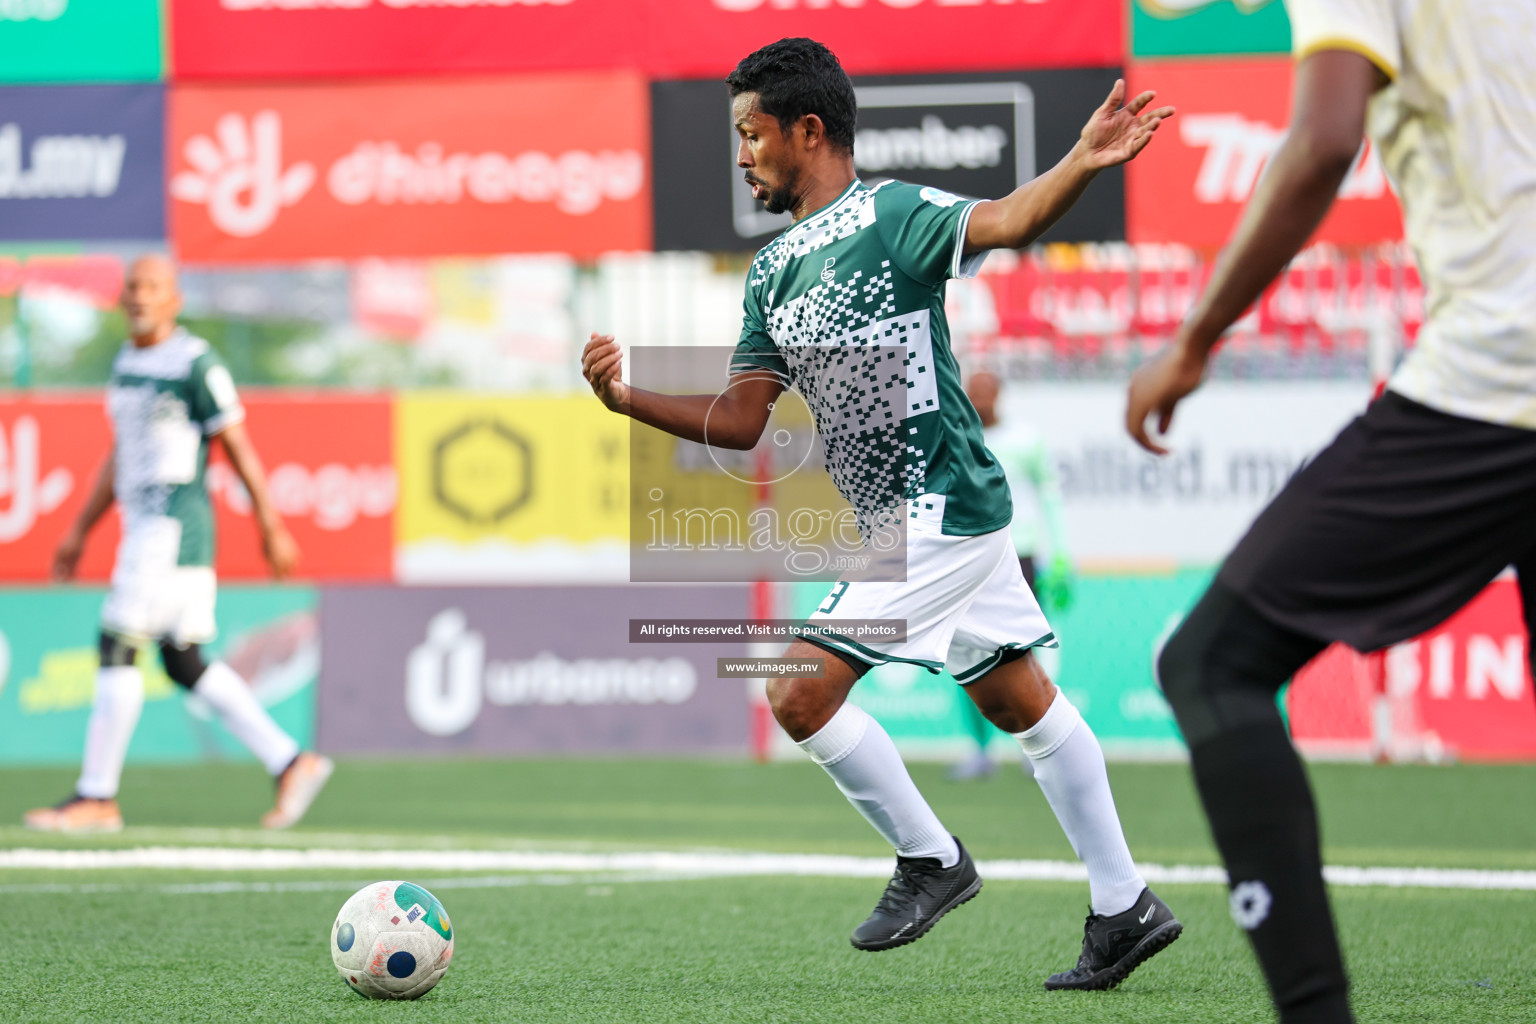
815 130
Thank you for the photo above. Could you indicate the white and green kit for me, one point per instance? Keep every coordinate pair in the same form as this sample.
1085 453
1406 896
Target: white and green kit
165 401
847 307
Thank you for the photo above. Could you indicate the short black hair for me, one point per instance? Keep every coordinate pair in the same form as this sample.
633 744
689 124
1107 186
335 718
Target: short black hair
796 77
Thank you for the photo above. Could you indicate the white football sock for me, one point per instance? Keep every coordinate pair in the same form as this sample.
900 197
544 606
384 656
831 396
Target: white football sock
114 715
243 715
1069 766
863 761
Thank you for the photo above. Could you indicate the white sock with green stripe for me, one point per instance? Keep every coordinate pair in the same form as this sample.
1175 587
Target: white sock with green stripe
1069 766
862 760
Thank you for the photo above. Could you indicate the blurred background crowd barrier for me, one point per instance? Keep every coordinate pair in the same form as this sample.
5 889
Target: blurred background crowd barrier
399 220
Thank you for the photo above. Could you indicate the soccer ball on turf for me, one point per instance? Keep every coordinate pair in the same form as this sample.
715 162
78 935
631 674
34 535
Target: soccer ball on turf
392 940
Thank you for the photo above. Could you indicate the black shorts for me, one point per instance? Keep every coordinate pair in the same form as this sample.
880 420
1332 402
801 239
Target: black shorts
1403 519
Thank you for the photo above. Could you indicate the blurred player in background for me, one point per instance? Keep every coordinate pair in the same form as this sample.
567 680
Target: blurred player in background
168 397
1418 503
859 269
1026 461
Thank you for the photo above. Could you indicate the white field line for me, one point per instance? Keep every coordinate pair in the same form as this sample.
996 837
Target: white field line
680 864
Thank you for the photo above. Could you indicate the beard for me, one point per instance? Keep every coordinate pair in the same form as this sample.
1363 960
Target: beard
778 200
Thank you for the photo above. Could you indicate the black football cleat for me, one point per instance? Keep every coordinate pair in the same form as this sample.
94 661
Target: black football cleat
1113 947
918 894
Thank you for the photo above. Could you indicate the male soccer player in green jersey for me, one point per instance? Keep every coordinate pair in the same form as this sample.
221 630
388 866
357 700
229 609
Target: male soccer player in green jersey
168 398
847 307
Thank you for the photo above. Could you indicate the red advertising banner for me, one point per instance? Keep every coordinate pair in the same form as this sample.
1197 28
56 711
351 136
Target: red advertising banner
225 39
50 451
329 462
331 472
1461 691
533 163
1192 183
703 38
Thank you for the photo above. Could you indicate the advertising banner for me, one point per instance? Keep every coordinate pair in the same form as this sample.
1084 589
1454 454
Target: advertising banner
1172 28
331 473
494 489
534 163
81 162
975 135
1192 183
51 449
664 38
1461 691
707 37
48 662
525 670
80 40
1234 445
329 463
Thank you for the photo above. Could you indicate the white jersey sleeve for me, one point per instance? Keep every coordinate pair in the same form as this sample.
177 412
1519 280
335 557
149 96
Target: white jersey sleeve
1366 27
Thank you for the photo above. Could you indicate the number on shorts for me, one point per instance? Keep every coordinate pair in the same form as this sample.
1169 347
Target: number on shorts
832 598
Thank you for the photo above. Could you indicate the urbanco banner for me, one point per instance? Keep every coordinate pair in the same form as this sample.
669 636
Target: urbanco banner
80 40
1191 184
1234 445
244 39
528 163
978 135
82 162
1169 28
525 670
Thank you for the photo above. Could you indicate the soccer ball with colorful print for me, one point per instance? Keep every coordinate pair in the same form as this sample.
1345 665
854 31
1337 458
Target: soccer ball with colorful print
392 940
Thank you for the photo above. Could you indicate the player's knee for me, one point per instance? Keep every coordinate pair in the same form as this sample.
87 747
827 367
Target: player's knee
1178 667
184 665
799 706
115 652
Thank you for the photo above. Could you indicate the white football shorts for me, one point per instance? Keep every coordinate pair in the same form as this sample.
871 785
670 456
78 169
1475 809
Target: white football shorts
964 600
152 598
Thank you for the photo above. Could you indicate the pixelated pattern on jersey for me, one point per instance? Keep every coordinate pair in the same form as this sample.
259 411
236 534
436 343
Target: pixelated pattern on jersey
854 213
156 447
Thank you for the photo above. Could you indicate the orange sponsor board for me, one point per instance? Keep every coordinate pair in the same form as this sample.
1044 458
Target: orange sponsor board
329 463
1192 183
556 162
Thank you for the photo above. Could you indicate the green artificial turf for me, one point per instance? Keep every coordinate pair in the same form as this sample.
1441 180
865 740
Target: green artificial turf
156 945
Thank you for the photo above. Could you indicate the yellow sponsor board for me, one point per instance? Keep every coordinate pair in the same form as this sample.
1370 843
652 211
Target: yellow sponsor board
489 482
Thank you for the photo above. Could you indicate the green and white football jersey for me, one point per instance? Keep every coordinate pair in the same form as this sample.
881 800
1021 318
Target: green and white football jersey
165 402
847 306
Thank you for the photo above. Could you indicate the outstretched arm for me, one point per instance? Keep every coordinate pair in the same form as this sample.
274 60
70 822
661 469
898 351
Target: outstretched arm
276 543
733 419
1332 90
1114 135
67 557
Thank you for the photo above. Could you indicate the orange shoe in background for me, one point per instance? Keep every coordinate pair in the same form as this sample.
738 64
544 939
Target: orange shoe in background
297 788
77 814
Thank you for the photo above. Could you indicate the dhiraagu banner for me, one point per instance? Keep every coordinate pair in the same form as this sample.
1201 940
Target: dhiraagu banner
1176 28
48 662
1110 636
80 41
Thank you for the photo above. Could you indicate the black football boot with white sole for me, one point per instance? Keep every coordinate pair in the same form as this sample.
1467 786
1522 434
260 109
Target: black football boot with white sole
1115 946
918 894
